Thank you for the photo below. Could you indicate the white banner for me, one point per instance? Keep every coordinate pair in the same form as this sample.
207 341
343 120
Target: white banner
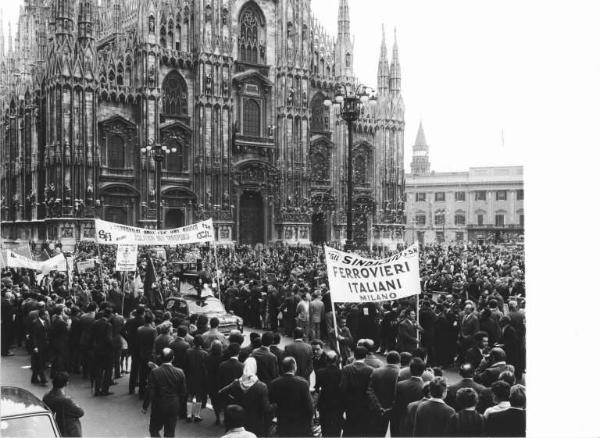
109 233
126 258
56 263
14 260
85 265
354 279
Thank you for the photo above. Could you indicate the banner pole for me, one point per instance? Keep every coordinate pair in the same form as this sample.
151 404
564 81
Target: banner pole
123 291
217 271
101 265
335 327
418 325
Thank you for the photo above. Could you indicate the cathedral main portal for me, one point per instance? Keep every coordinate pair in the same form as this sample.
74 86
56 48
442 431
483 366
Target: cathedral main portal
252 218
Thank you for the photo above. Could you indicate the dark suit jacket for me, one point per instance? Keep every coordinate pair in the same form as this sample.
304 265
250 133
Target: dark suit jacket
145 340
229 370
102 339
267 365
491 374
179 347
453 389
196 374
245 353
294 405
278 352
66 412
432 418
302 352
131 327
327 382
407 336
469 326
353 386
39 335
466 424
382 387
407 391
512 344
255 402
510 422
166 389
474 356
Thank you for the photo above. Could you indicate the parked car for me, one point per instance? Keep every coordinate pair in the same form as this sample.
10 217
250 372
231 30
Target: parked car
22 414
189 305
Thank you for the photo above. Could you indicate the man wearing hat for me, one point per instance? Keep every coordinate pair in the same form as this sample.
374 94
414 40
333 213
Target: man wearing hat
166 392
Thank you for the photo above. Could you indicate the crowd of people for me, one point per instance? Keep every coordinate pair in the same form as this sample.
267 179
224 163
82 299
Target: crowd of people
331 380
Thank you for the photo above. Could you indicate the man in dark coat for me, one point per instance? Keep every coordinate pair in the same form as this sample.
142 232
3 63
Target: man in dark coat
9 312
469 325
433 416
131 327
407 333
278 352
231 368
382 393
179 346
302 353
146 335
490 369
85 341
166 391
66 411
511 421
407 391
475 354
327 385
268 367
467 371
118 328
353 390
294 407
102 345
196 378
466 421
511 344
40 346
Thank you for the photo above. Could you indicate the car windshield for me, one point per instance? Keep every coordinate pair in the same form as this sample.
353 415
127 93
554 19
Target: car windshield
33 426
177 306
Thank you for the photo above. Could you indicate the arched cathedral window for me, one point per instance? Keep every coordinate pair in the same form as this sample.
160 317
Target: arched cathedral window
360 171
251 41
115 152
174 95
251 118
318 122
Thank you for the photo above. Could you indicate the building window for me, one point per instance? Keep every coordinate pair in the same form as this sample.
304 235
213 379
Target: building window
440 196
251 49
420 219
460 236
251 118
522 220
459 219
174 95
174 161
439 236
480 195
499 220
501 195
480 219
440 219
459 196
360 171
520 195
420 197
116 152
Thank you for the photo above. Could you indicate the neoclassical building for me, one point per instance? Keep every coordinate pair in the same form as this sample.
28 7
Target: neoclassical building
482 204
236 87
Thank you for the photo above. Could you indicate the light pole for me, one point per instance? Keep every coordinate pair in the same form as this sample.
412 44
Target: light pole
159 153
351 102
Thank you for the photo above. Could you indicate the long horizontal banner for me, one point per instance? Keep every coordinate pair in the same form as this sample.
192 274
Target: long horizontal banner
109 233
354 279
56 263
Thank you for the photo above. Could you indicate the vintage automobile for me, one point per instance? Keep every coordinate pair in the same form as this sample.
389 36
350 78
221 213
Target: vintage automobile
191 304
25 415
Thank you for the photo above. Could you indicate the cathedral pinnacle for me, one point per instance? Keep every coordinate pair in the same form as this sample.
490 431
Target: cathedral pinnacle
383 70
395 69
420 162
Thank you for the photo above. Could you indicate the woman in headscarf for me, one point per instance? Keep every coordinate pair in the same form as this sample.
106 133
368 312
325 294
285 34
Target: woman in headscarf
215 357
252 395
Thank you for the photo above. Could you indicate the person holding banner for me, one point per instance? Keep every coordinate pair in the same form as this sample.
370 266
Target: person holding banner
408 332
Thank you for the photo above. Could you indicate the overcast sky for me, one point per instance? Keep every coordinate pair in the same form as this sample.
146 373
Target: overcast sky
477 73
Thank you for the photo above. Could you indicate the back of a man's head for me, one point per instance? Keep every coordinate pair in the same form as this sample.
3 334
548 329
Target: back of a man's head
267 339
500 391
437 387
214 322
234 349
360 353
298 333
497 355
198 341
276 339
331 357
393 358
182 331
237 338
508 377
405 358
254 335
466 398
235 416
467 370
417 367
60 380
288 365
517 396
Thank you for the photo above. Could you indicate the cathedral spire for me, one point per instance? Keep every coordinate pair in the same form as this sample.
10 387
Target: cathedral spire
420 163
1 34
63 17
395 69
345 45
383 70
10 42
85 20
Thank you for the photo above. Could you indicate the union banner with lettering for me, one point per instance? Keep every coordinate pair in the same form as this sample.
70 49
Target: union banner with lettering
354 279
109 233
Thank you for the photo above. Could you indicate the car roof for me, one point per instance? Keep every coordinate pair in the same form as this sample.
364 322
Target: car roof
19 401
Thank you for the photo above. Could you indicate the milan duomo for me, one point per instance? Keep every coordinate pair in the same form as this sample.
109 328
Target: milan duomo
236 87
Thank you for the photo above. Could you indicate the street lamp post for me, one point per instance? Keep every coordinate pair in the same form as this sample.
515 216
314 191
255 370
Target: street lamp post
351 102
159 153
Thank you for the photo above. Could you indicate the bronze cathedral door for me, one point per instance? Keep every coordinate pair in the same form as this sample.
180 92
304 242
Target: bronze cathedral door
252 223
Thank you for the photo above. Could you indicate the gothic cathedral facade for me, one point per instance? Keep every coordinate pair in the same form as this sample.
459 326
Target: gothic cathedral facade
234 87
